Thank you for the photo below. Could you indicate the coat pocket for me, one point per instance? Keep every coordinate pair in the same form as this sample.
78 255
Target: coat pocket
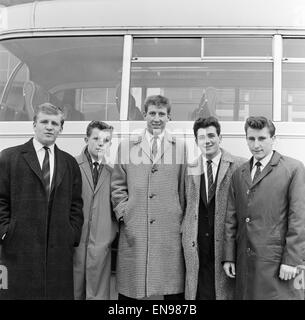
10 232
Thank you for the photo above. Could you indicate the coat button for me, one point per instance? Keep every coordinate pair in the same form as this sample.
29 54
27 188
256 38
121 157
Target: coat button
248 250
152 221
152 195
247 219
248 191
207 234
154 169
193 244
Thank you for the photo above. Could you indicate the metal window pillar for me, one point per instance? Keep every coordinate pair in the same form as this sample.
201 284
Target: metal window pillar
277 49
127 55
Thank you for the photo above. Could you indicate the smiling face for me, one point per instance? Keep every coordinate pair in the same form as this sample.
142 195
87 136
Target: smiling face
208 141
156 118
260 142
47 127
98 143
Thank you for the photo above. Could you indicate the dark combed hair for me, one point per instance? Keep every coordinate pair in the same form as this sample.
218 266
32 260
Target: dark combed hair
49 108
159 101
206 122
99 125
260 123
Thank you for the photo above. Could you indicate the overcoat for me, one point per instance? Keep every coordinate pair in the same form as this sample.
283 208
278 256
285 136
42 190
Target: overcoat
224 286
40 235
149 195
92 258
264 228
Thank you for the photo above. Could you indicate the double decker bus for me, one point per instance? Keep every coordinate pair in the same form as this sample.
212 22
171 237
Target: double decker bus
101 59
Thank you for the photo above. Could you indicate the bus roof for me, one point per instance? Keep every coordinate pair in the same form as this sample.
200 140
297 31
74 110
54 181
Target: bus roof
156 14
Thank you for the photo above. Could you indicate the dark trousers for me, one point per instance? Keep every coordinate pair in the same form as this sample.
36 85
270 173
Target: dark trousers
178 296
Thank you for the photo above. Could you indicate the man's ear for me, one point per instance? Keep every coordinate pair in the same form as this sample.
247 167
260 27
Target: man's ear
220 138
86 139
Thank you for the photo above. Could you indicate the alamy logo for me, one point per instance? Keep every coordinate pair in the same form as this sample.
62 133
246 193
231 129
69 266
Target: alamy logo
3 277
299 280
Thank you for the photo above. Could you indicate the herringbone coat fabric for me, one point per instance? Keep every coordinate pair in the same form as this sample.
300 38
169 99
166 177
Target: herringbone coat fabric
38 247
264 228
92 258
149 195
224 286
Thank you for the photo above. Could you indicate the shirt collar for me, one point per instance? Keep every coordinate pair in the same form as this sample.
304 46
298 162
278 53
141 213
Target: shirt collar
215 160
149 136
38 146
263 161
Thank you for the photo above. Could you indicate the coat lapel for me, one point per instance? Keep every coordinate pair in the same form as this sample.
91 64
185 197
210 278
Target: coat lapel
60 165
246 173
30 157
102 178
273 162
144 145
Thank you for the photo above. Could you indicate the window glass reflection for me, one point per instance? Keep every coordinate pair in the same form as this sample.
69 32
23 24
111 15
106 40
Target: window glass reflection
230 91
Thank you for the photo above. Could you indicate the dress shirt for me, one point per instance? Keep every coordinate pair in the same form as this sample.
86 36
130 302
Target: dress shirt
40 151
150 139
264 162
215 164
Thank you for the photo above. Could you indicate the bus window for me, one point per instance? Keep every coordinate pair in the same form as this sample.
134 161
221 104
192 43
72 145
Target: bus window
13 108
293 80
237 47
230 91
166 47
79 74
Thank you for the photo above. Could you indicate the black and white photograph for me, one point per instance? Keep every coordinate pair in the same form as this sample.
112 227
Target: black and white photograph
152 150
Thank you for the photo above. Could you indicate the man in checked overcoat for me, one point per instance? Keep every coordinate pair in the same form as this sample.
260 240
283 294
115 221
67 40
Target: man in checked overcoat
203 224
148 200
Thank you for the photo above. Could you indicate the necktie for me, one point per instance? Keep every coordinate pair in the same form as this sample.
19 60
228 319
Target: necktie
257 172
46 171
154 149
95 173
211 186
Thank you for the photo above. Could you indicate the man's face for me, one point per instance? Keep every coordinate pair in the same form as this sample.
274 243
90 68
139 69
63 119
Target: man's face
98 143
208 141
260 142
47 128
156 118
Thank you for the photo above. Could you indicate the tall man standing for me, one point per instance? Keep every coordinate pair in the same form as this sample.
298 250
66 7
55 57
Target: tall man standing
148 199
40 212
264 228
207 186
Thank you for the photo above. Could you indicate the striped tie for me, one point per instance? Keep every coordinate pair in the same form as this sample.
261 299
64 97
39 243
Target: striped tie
211 185
46 171
257 172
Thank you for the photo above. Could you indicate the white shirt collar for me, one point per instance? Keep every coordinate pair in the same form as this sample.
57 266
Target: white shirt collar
38 146
263 161
150 137
215 160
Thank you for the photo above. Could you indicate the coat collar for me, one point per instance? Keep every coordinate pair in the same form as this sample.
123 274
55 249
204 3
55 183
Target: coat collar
30 157
195 170
246 169
141 140
83 162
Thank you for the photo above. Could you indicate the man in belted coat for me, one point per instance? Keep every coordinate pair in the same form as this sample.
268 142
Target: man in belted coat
264 228
148 200
40 213
92 258
203 224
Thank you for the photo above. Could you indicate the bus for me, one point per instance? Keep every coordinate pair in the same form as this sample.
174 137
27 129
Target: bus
99 60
